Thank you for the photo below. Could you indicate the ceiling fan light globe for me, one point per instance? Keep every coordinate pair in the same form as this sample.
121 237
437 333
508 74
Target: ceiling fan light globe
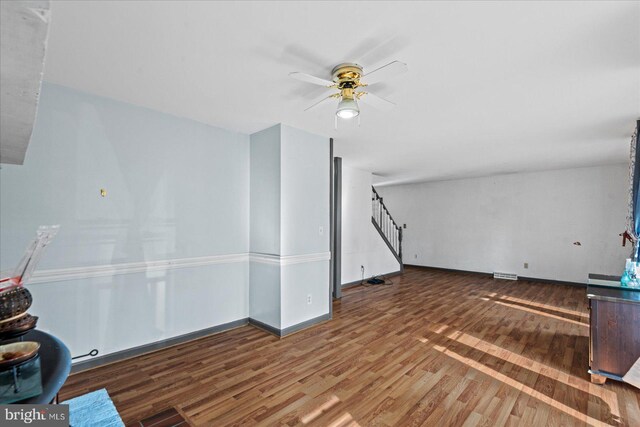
347 109
347 114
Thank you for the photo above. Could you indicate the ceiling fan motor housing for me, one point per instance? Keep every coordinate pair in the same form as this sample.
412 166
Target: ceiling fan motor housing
347 78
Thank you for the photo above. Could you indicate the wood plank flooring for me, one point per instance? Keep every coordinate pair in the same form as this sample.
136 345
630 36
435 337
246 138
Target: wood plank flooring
435 349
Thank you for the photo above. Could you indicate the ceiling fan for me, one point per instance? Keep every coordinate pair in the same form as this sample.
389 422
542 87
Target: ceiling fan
346 79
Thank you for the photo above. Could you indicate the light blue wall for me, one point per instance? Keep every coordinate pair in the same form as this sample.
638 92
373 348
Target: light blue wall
264 299
265 191
298 282
119 312
175 189
265 293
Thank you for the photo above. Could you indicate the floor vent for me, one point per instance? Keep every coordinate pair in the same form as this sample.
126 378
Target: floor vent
505 276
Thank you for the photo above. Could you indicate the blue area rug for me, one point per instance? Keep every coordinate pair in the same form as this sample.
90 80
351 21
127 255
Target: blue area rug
93 409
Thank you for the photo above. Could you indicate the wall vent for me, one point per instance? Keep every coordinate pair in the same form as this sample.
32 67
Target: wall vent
505 276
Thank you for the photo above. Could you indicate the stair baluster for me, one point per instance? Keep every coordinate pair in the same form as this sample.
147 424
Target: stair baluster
383 221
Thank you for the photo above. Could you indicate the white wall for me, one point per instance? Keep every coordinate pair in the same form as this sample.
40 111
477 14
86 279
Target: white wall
362 245
176 190
499 223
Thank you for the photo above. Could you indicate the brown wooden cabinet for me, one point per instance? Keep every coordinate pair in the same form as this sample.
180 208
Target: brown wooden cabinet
614 331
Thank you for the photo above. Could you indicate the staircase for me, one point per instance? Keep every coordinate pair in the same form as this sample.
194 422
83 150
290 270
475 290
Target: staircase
390 232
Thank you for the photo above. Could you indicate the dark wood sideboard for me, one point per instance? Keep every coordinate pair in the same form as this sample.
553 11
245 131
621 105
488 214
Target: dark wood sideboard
614 331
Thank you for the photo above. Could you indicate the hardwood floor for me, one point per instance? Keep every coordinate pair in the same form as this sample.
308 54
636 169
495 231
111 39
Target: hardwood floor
435 348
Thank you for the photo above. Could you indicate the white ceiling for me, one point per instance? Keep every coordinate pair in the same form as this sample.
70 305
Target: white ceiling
492 87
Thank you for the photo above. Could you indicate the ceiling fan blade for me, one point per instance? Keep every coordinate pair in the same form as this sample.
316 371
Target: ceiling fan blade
311 79
386 71
375 101
322 101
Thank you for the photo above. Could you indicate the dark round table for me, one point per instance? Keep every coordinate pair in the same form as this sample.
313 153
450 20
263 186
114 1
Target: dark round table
55 365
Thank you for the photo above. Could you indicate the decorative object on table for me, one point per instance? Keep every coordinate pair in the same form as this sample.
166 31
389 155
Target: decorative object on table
631 275
17 352
17 326
55 361
93 409
20 372
14 319
23 271
14 302
627 274
21 381
15 299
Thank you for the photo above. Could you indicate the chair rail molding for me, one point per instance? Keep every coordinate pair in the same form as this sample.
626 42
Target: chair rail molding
75 273
62 274
289 259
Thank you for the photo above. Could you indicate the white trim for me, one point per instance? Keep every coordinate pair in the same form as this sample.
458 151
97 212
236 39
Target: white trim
264 258
300 259
75 273
289 259
43 276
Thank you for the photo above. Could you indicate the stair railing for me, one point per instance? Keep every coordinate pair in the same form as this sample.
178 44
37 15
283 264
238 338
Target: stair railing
383 221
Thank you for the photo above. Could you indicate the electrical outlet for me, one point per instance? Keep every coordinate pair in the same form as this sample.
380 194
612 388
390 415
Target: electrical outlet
526 265
309 299
404 225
